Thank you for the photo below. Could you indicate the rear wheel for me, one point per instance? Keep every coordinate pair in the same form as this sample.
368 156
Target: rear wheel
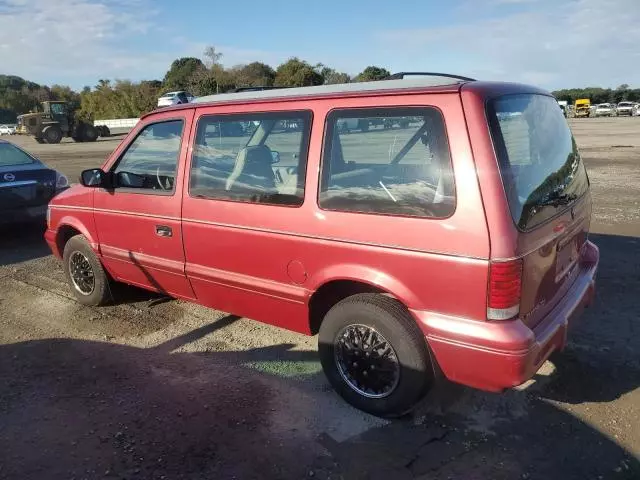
52 134
374 355
88 280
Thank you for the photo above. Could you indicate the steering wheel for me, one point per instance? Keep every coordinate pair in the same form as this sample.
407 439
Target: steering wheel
158 179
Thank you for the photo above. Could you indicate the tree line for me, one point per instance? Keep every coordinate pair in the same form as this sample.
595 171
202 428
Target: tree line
600 95
126 99
206 76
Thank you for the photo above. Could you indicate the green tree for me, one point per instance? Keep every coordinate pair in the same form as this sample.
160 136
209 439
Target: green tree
372 73
332 76
181 71
255 74
63 92
297 73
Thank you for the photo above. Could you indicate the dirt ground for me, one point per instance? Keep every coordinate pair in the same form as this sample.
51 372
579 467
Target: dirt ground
153 388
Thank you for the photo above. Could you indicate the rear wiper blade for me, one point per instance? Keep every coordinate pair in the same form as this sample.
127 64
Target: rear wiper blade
555 200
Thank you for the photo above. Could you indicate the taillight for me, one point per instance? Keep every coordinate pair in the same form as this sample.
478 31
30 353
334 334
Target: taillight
505 282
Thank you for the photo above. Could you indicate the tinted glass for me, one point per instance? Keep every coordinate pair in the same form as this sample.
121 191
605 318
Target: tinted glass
10 156
539 161
257 158
391 161
57 109
151 160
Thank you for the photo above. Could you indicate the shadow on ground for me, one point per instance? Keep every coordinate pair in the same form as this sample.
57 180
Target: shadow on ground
19 243
81 409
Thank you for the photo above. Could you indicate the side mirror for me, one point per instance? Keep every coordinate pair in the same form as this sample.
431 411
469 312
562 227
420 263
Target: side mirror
95 178
275 157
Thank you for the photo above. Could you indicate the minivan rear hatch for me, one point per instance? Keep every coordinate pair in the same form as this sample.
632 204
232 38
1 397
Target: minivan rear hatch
547 189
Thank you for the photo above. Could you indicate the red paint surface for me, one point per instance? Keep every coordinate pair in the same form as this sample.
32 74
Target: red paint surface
266 262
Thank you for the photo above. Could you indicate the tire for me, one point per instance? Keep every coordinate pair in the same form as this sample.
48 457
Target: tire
52 134
39 140
104 131
77 250
89 133
390 321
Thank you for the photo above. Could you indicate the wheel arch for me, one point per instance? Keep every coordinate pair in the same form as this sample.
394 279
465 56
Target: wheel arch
69 227
338 283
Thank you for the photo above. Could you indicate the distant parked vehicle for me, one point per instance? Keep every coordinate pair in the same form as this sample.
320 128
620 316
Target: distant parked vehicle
56 120
563 106
6 130
582 108
625 108
605 110
26 186
175 98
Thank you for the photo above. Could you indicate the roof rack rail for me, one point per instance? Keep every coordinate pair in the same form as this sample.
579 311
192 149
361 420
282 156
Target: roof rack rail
401 75
255 89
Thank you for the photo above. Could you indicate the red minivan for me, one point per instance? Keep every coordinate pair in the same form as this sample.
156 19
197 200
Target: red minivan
423 224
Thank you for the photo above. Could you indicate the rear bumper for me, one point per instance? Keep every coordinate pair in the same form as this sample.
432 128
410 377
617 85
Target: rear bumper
23 215
497 355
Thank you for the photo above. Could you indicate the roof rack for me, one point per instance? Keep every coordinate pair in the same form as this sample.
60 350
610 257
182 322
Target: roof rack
255 89
401 75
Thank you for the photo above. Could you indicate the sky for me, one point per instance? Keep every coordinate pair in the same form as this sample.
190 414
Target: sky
549 43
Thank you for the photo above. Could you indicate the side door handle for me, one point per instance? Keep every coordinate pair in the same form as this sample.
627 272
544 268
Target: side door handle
164 231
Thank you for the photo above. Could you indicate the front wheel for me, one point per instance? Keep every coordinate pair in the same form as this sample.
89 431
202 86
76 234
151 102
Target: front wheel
374 355
52 134
88 280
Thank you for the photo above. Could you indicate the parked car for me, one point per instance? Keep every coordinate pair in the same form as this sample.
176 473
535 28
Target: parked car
7 129
26 185
457 244
625 108
605 110
175 98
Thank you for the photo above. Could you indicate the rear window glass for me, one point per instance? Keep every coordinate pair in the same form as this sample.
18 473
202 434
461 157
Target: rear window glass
10 156
539 161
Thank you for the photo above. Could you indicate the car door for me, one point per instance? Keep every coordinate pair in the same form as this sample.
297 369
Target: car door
138 220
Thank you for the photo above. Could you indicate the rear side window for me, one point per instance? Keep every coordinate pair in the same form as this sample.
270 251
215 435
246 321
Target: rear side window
392 161
253 158
539 162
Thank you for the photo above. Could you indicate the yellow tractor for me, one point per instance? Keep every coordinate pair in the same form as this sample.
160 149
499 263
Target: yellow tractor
55 121
582 108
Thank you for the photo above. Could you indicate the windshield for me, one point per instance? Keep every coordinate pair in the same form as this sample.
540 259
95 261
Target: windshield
625 104
604 105
10 156
540 165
